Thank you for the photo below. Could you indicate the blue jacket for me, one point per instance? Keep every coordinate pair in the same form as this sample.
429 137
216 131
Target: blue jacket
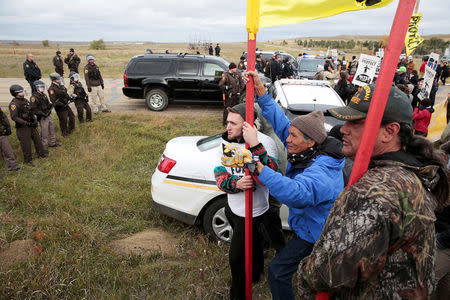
309 193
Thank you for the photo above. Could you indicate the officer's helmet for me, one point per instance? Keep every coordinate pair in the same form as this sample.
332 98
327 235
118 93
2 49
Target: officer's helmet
39 85
55 76
16 89
89 57
74 76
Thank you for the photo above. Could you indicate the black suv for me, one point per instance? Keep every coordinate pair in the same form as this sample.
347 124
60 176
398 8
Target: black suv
178 77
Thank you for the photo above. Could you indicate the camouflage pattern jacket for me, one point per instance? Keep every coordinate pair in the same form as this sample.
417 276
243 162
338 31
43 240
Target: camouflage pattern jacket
379 240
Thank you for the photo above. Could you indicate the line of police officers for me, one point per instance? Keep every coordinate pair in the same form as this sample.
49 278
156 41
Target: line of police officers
27 115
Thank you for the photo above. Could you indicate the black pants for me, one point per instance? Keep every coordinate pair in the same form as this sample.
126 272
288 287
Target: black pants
66 120
33 88
25 136
230 101
237 253
82 105
272 225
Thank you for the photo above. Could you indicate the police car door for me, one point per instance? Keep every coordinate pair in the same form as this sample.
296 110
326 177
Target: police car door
187 84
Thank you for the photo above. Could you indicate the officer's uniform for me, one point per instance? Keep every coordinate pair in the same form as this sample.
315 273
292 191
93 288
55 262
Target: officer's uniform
94 82
231 84
65 114
41 107
31 72
59 65
26 124
81 100
73 61
5 146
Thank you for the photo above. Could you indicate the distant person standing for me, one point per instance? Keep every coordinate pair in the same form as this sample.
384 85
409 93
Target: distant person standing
60 98
275 68
353 66
94 83
58 63
210 49
260 64
5 146
217 49
31 71
42 108
21 114
241 64
72 60
231 84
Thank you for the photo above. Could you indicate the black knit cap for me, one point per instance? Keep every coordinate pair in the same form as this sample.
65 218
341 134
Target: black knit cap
240 109
398 107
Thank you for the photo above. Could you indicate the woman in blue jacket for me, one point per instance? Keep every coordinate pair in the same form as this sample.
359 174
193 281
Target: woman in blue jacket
312 183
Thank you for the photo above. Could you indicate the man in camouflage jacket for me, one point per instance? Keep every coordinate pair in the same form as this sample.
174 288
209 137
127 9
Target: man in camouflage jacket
379 240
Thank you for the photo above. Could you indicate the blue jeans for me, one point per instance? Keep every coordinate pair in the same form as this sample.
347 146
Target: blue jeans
284 265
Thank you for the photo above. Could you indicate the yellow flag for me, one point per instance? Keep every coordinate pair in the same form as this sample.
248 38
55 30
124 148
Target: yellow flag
413 39
283 12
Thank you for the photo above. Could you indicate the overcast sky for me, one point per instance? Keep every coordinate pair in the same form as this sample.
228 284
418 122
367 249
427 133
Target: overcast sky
185 21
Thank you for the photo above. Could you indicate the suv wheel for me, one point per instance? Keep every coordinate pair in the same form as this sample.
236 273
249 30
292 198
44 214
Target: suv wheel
157 99
215 223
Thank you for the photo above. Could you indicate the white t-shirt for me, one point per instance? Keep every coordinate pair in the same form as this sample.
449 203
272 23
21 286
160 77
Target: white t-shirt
261 193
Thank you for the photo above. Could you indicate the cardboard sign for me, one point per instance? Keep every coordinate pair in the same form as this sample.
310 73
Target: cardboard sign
428 79
367 67
433 61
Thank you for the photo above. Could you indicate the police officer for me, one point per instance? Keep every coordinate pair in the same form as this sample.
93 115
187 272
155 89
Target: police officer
5 146
61 100
231 84
241 64
26 124
58 63
31 70
217 49
42 108
210 49
81 99
72 60
94 82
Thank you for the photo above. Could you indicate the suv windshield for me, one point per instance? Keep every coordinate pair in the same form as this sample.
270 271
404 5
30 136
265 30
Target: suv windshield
310 65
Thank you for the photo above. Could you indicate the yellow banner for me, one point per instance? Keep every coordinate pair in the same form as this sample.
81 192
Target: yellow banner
438 121
278 12
412 38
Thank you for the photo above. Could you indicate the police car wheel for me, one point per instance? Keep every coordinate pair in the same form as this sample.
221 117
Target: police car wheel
215 223
156 99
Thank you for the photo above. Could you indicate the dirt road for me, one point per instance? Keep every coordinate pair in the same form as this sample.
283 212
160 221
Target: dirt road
115 99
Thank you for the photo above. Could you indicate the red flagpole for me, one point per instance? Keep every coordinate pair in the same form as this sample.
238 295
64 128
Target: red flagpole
380 94
250 95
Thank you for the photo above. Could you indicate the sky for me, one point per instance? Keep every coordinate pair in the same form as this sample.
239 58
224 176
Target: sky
186 21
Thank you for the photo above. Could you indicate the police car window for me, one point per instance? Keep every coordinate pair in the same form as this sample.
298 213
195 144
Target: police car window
188 68
210 69
151 67
210 142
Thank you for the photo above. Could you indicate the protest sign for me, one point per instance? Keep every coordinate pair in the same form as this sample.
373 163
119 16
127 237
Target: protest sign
433 61
367 66
428 79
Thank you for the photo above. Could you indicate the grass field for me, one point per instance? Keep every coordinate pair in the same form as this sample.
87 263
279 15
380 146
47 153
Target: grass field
95 189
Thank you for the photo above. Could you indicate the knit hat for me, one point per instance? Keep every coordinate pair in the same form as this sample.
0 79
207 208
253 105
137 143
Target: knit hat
312 125
401 69
240 109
